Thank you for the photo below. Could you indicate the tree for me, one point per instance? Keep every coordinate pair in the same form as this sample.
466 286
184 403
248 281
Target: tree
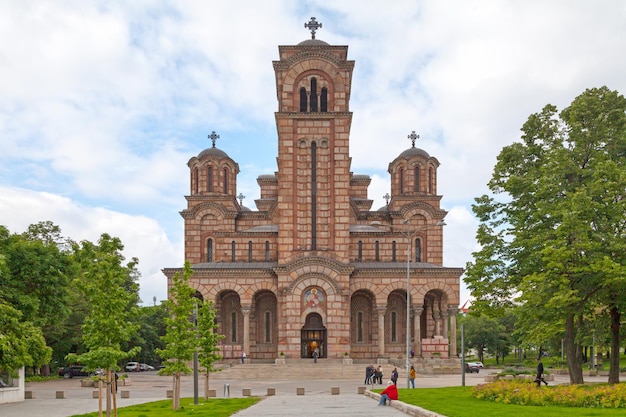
207 342
180 337
552 244
21 342
109 288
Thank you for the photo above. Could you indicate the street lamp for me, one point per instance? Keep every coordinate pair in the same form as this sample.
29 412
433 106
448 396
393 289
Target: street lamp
408 234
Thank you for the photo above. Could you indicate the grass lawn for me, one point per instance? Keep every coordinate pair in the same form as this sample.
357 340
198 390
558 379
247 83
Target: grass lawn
458 402
215 407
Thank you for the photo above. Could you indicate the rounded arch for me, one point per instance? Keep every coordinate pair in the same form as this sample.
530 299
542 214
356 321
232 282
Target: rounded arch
264 323
230 322
442 287
395 320
363 320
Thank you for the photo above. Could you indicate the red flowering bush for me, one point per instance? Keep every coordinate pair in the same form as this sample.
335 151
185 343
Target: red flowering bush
527 393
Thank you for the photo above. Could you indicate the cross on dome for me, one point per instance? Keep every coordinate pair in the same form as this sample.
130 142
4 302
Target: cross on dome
413 137
387 197
213 136
241 197
313 26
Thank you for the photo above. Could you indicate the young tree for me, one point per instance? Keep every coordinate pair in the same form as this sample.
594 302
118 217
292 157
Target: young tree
207 341
552 244
180 337
111 292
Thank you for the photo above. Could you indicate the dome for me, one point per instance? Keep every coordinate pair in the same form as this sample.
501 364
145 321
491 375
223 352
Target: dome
411 152
313 42
384 208
244 208
213 152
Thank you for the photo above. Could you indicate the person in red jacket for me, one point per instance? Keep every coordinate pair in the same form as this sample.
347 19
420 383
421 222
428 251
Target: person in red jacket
389 393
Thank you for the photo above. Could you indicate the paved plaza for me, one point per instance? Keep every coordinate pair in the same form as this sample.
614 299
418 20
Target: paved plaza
317 400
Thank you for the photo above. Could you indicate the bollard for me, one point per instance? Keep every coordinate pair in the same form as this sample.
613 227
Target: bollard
361 390
29 395
334 390
226 391
300 391
246 392
271 391
60 395
125 394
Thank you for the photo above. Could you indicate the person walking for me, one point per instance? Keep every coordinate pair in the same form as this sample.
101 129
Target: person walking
369 374
412 376
316 354
243 357
378 375
394 376
540 378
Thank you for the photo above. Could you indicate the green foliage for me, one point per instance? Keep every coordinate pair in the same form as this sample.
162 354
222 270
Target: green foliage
151 322
110 291
553 243
525 392
208 337
21 343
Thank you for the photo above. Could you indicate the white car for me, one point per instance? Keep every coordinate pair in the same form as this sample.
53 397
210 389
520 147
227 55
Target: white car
476 364
132 367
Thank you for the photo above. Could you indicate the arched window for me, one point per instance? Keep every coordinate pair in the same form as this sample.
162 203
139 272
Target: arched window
225 181
393 251
431 180
267 250
313 96
377 251
268 326
233 327
418 250
359 255
209 178
359 326
250 251
417 179
401 180
394 325
324 100
303 100
209 250
232 251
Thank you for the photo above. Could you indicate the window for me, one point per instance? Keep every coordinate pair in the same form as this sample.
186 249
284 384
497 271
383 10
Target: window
324 100
268 327
359 255
401 180
233 327
313 96
393 251
418 250
417 179
232 251
359 324
377 251
250 251
431 179
225 181
267 251
209 250
394 333
194 181
303 100
209 178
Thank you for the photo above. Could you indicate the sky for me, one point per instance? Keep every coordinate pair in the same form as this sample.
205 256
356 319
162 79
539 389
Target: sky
103 103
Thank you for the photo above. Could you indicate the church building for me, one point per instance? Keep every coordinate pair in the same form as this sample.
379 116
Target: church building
313 267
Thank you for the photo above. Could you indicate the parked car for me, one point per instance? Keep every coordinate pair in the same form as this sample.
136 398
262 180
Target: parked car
471 368
145 367
72 371
476 364
132 367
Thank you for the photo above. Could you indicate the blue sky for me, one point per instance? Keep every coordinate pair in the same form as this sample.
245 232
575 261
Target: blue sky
102 103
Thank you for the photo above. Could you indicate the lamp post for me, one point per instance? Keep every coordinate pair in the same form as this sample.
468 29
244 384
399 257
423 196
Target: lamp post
408 234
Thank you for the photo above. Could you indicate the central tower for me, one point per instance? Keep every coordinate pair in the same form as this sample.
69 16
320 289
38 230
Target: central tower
313 120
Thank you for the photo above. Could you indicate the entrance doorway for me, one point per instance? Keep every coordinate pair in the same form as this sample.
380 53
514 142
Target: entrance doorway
313 336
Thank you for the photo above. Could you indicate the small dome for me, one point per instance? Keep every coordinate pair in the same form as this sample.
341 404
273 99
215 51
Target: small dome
383 208
213 152
244 208
313 42
411 152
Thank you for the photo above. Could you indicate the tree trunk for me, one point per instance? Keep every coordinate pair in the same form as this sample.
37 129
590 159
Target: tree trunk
108 392
573 362
100 396
176 392
615 342
206 386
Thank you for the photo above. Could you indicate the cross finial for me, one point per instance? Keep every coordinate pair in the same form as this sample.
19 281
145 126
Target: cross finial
213 136
413 137
387 197
241 197
313 26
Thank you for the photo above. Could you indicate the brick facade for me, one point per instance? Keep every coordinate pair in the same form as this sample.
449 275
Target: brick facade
314 266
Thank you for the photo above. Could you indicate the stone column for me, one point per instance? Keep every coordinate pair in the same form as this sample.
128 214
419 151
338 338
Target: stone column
452 312
381 330
246 329
444 322
417 330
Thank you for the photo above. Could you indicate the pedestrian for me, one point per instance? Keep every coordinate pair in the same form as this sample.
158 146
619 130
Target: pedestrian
316 354
389 393
243 356
378 375
540 378
412 376
394 376
369 374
